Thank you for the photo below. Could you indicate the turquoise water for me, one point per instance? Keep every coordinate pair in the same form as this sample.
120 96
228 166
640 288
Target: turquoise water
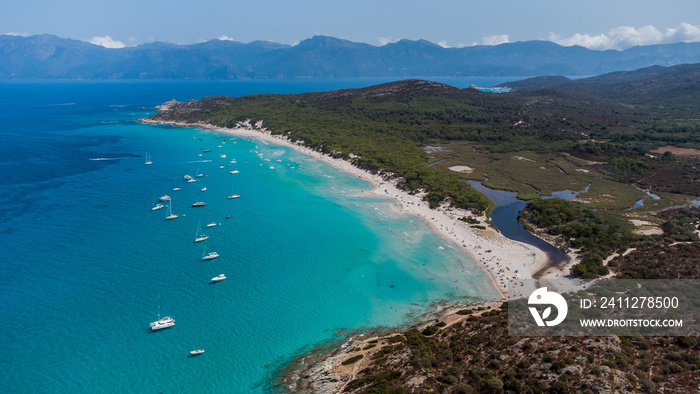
307 254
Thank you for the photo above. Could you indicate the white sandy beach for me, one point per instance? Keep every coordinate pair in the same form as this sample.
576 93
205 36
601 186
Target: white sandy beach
506 262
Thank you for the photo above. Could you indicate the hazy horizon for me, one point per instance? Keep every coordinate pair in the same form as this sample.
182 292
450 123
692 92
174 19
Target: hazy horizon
596 24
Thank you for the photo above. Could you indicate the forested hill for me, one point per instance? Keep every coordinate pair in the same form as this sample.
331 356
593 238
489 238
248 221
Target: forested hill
677 87
385 127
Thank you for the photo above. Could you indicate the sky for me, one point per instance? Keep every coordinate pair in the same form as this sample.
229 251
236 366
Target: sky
595 24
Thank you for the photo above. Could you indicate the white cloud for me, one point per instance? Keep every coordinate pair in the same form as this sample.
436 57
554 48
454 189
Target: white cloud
15 34
225 38
385 40
443 44
106 42
624 37
495 39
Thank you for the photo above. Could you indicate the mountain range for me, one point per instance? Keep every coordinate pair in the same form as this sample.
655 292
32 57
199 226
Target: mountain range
49 57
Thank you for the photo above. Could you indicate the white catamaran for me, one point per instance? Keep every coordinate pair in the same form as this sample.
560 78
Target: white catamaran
165 322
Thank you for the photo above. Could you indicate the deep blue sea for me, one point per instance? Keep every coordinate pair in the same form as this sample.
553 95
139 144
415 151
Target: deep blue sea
85 262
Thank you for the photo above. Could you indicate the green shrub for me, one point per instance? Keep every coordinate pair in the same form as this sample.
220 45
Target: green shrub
378 355
396 339
469 219
353 359
494 385
647 385
513 385
430 330
450 379
464 388
685 342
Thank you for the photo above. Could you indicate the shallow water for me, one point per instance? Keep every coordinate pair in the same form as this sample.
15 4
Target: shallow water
85 259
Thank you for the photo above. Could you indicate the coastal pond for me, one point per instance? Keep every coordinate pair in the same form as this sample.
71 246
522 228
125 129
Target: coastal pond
505 218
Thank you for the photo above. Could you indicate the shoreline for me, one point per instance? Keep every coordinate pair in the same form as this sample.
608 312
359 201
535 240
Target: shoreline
320 369
506 262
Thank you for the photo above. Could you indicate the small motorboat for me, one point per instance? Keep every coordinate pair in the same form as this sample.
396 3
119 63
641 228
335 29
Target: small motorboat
157 207
198 204
197 351
229 217
234 196
218 278
212 224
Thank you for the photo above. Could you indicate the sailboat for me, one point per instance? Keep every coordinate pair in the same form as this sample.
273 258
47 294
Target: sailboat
200 237
148 159
165 322
210 255
170 212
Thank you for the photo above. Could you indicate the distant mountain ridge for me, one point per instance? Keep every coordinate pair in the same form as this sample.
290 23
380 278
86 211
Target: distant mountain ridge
672 87
49 57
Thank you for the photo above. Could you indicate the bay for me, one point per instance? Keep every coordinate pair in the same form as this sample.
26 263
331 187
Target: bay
308 255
